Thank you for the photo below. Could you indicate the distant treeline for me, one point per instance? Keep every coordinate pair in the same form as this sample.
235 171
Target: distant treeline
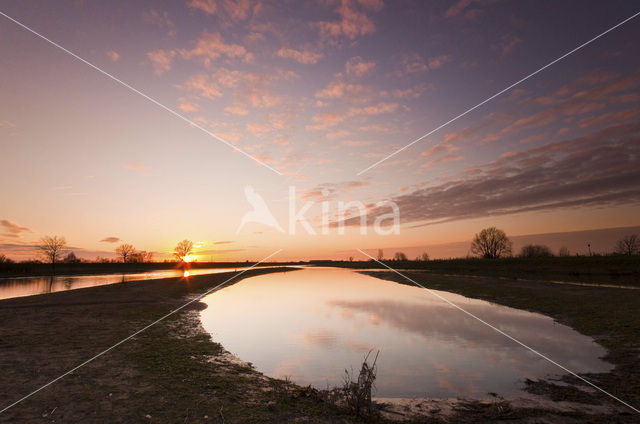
612 269
493 243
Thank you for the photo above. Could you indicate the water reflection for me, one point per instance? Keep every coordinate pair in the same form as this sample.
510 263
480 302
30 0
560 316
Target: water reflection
28 286
310 325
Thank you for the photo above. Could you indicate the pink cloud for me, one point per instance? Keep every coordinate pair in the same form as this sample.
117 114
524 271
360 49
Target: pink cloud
325 120
442 147
446 159
237 10
302 56
203 85
411 93
378 109
161 60
414 63
113 56
358 67
258 130
462 8
438 61
338 89
207 6
353 22
188 107
617 117
507 44
135 167
330 119
161 20
211 46
11 229
237 110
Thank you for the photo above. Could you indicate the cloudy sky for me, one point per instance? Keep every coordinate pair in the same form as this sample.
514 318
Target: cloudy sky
308 94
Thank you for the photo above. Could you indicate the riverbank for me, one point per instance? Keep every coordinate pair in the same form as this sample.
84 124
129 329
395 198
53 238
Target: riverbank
614 269
609 315
173 372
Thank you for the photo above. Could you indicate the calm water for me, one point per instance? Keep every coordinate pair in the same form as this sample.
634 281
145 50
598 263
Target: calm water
28 286
311 324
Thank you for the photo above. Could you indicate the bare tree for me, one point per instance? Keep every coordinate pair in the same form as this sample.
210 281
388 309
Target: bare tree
183 249
491 243
399 256
380 254
564 251
5 260
141 257
51 248
424 257
71 258
628 245
125 251
535 251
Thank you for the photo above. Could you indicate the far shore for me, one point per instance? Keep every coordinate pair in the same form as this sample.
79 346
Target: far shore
609 269
30 269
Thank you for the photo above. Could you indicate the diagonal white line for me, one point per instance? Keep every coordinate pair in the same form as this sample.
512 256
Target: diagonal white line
498 93
137 332
152 100
501 332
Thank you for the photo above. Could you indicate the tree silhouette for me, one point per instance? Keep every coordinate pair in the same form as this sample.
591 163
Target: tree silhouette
491 243
51 248
399 256
535 251
628 245
71 258
141 257
125 251
183 249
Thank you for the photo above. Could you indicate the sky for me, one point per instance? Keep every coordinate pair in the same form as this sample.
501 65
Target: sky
292 101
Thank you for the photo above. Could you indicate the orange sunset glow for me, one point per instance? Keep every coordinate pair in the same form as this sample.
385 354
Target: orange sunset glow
258 103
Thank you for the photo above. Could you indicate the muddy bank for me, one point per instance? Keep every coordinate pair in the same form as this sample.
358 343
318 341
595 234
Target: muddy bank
608 314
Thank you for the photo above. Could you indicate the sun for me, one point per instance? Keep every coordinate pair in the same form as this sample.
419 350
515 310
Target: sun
185 274
189 258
